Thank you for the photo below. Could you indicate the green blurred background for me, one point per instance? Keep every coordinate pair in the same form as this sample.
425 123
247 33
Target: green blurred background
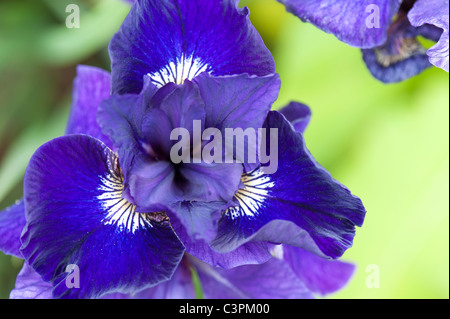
388 143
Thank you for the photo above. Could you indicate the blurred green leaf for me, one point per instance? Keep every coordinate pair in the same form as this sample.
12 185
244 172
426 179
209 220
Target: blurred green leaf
16 160
61 45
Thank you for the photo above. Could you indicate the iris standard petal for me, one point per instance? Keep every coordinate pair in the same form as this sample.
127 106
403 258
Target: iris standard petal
237 101
77 217
237 106
12 222
30 285
90 87
300 204
359 23
142 133
173 40
436 13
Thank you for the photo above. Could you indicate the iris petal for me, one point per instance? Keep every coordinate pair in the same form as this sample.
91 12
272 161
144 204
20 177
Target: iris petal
246 254
12 222
271 280
91 86
401 57
436 13
29 285
76 215
321 276
300 204
298 114
172 41
359 23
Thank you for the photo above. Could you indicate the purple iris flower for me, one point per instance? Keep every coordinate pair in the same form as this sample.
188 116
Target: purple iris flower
387 31
303 274
246 273
107 198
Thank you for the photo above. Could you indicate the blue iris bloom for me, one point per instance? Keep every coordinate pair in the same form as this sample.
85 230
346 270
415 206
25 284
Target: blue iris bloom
107 198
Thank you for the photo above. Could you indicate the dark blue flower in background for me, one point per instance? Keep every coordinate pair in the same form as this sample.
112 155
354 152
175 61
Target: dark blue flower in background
387 31
107 197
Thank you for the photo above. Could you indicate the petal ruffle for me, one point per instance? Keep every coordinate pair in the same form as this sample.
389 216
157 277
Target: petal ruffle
12 222
436 13
359 23
176 40
76 215
300 204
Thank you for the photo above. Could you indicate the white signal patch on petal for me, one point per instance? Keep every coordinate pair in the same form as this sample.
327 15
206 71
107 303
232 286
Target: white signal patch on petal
119 211
184 68
251 198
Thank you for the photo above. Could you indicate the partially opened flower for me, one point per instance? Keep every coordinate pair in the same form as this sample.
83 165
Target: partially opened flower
387 31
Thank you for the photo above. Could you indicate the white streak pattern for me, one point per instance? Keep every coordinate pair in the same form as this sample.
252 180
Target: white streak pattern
120 212
251 198
184 68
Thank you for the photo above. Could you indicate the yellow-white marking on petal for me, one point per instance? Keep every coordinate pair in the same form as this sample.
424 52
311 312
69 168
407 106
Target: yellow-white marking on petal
120 212
257 185
184 68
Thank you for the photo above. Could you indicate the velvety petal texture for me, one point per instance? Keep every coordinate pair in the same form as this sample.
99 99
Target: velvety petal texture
12 222
271 280
90 87
359 23
174 40
435 13
300 204
77 219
